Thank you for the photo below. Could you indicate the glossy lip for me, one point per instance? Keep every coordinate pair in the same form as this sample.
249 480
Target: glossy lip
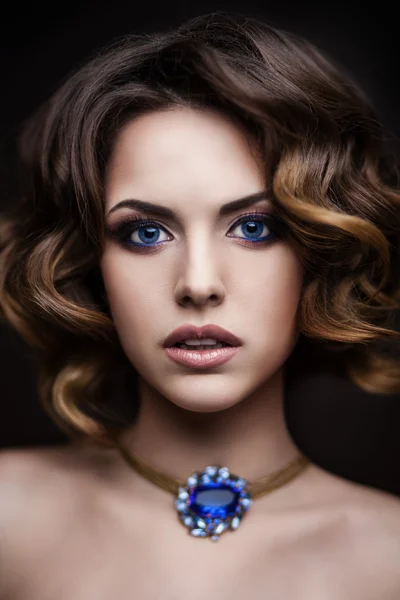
186 332
201 359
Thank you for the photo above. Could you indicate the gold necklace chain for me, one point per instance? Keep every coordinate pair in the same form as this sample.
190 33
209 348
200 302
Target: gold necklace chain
257 488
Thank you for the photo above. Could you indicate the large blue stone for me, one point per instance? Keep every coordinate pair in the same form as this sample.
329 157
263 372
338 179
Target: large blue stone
214 500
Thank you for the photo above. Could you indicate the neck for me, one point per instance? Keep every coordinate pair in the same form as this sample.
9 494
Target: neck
250 438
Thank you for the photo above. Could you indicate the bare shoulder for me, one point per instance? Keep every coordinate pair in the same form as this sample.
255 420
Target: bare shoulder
21 471
28 466
30 480
39 482
378 508
369 542
376 517
33 474
376 540
376 520
36 492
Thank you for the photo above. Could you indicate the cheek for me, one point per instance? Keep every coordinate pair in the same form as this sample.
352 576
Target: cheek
271 318
272 287
133 293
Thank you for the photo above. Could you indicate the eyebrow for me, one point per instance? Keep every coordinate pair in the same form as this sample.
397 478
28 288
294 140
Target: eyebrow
157 209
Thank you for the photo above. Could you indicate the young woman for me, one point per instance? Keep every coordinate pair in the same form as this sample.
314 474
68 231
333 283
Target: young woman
198 202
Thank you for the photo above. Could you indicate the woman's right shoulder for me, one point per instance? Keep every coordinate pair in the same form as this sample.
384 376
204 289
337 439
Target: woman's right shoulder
21 476
33 479
24 471
35 484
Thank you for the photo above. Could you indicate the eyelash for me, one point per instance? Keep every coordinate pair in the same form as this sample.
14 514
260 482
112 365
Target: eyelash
128 226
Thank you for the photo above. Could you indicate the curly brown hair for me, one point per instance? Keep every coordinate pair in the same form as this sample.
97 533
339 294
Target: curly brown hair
330 177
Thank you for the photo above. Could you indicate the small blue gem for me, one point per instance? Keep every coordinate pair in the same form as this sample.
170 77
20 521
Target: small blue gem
183 494
235 523
221 527
198 532
192 480
180 505
211 470
205 479
201 523
246 502
224 472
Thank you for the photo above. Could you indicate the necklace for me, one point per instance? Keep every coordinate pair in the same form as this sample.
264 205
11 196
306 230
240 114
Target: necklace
214 500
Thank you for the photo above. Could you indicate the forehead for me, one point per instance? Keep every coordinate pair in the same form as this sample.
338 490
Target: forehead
182 153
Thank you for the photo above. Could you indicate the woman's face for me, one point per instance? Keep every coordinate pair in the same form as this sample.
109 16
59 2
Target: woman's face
198 267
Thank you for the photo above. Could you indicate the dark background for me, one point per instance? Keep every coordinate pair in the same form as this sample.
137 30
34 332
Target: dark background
340 427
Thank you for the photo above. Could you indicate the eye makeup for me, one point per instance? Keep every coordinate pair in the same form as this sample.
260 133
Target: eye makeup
123 230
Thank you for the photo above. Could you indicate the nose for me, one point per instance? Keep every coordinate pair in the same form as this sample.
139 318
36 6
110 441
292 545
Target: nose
200 280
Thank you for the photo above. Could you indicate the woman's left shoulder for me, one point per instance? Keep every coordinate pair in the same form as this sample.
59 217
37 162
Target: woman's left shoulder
375 516
370 538
375 538
375 511
367 542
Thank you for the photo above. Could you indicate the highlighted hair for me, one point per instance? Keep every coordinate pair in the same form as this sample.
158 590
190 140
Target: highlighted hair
330 177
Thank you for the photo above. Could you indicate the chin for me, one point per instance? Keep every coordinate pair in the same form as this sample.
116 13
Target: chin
205 407
204 402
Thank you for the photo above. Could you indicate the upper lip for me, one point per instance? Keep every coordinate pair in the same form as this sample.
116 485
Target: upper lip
187 332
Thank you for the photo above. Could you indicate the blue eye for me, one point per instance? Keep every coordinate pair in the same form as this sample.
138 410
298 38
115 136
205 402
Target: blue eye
252 226
148 234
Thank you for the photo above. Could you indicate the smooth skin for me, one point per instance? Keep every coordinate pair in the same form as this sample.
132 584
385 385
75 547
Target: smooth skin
77 523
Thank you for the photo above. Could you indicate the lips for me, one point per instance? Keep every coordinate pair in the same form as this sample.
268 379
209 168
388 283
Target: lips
186 332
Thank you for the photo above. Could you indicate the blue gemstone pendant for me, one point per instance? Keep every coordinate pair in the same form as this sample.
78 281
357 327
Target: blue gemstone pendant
212 502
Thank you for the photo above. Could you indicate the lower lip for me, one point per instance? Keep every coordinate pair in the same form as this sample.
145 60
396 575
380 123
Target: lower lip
199 359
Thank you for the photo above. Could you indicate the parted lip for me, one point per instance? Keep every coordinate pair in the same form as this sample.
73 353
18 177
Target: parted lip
186 332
